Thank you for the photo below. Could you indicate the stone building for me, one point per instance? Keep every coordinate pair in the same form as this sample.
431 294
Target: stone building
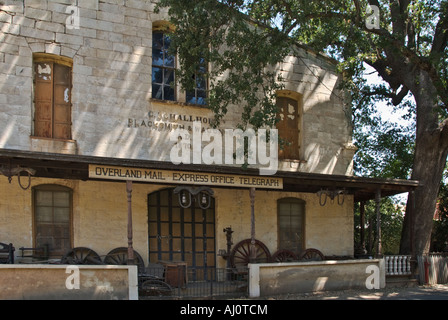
86 106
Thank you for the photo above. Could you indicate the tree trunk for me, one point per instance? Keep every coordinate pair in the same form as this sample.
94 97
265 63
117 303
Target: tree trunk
428 170
429 162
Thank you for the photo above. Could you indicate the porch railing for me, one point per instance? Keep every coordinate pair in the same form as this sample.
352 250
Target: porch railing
201 282
398 265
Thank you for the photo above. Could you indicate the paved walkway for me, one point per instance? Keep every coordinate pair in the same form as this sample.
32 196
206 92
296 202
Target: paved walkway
436 292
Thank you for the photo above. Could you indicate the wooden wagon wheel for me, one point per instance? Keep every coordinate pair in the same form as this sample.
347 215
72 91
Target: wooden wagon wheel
284 255
312 254
119 256
81 255
241 255
155 287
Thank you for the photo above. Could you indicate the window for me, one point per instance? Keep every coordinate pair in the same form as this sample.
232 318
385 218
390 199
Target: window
163 67
289 128
52 96
164 70
291 223
199 94
52 219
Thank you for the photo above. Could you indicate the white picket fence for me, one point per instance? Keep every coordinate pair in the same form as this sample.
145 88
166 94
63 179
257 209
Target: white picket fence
398 265
433 269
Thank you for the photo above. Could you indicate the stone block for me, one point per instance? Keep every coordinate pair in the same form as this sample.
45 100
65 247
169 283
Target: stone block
38 14
13 6
37 34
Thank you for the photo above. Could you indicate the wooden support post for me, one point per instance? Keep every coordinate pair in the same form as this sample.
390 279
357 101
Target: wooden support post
362 210
379 249
130 248
252 224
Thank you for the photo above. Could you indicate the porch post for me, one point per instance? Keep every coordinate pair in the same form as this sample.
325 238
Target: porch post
130 249
379 249
362 210
252 223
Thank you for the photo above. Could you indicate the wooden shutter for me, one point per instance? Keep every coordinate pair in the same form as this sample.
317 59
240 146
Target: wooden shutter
288 127
62 98
52 100
43 100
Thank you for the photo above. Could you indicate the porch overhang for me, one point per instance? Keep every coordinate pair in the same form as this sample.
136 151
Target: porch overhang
63 166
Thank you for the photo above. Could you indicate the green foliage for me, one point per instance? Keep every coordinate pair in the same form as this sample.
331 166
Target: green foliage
239 53
385 148
391 225
241 39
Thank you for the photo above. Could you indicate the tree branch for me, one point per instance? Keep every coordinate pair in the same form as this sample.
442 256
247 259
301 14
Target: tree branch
440 36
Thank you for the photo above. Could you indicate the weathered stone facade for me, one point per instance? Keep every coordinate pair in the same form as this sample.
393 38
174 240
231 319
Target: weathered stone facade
114 116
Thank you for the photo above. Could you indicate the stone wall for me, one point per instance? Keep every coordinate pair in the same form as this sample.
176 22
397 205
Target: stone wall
315 276
60 282
113 114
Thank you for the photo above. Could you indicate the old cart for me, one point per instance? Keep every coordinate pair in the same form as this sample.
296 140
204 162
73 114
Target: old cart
152 282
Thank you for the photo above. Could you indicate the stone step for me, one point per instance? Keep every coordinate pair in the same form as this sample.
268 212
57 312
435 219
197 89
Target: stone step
401 281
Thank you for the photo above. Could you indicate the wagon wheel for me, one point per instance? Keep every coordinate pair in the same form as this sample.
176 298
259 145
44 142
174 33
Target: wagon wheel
81 255
312 255
241 256
119 256
284 255
156 287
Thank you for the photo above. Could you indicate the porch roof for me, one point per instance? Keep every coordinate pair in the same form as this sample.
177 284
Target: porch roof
63 166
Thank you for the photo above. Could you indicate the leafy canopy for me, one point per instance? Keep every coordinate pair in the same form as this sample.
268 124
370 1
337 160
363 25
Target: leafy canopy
242 39
208 33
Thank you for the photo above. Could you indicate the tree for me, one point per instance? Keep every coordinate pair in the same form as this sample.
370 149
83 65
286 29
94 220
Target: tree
404 41
391 226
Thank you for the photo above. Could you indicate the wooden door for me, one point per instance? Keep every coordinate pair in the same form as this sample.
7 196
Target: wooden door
43 100
180 234
52 100
288 127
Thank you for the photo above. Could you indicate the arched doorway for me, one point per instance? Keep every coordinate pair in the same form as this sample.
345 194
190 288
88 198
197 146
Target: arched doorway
178 234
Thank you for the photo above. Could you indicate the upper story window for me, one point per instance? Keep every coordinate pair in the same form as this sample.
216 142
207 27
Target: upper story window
289 126
199 94
52 96
163 67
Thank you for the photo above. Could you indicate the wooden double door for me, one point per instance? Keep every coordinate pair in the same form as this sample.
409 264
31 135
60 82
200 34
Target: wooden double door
180 234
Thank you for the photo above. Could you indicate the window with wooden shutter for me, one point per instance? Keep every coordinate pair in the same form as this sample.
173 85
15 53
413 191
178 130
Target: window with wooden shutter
52 219
288 126
52 98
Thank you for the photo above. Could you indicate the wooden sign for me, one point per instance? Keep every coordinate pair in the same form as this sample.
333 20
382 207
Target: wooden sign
183 177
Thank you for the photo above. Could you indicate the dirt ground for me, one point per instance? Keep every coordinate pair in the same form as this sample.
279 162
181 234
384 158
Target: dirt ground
434 292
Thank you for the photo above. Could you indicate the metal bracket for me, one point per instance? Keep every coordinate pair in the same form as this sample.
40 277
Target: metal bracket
10 172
